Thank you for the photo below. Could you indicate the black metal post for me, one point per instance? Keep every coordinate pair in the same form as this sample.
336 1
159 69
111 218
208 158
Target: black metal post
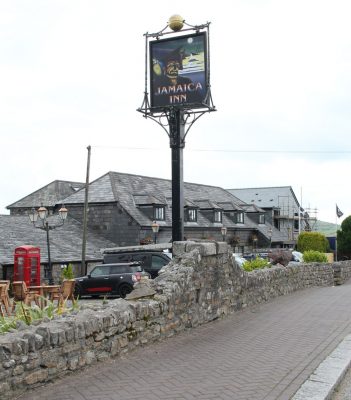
155 237
83 269
49 270
177 128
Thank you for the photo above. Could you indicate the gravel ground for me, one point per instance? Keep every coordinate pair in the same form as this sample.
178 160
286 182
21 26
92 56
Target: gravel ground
343 392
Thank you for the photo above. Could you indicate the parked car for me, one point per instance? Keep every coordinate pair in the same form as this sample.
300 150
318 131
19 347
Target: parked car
252 256
297 256
110 279
151 260
249 256
239 259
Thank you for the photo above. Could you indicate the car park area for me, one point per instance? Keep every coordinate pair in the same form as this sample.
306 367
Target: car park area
110 279
151 261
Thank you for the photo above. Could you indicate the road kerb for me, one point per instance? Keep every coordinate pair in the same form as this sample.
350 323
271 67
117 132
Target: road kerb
327 376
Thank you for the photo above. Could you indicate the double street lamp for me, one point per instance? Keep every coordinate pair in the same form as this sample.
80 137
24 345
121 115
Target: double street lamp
155 228
270 232
255 240
42 213
224 232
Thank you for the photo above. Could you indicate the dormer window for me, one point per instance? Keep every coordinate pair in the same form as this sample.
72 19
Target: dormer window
239 217
191 215
261 219
153 207
217 216
159 213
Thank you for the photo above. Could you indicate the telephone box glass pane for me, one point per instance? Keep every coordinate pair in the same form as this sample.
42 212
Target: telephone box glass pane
20 264
33 269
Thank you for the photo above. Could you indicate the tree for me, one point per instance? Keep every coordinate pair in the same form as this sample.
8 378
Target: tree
312 241
344 238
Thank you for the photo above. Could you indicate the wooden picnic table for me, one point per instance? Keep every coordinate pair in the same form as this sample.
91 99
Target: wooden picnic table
4 297
45 291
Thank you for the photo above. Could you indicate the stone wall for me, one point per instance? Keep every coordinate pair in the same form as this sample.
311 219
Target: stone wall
199 285
111 221
342 272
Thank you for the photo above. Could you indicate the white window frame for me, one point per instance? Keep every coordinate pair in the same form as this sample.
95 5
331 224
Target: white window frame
159 213
192 215
240 217
217 216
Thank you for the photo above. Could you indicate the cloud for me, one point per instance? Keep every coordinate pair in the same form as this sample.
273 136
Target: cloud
72 74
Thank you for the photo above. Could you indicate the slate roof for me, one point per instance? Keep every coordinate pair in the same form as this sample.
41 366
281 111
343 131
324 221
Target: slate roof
65 241
207 205
230 206
277 235
252 208
188 203
49 195
281 197
124 188
141 199
267 197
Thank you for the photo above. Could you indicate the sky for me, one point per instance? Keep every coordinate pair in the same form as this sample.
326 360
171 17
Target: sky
72 75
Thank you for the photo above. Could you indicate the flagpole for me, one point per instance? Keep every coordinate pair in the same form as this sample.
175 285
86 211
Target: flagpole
339 214
336 238
300 207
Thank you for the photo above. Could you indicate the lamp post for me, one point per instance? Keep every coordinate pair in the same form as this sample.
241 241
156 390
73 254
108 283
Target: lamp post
270 231
155 227
42 213
224 232
255 239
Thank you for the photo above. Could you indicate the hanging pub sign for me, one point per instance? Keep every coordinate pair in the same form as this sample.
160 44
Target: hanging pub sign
178 71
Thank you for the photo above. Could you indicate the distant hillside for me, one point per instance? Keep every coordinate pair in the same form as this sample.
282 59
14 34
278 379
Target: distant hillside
327 228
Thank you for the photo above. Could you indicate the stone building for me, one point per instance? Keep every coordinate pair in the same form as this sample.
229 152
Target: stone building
50 196
123 207
65 244
121 210
282 210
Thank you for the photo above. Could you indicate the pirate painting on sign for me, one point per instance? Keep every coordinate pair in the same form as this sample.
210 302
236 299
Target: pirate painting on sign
171 88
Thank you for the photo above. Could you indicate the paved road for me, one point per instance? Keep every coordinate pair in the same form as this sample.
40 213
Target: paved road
262 353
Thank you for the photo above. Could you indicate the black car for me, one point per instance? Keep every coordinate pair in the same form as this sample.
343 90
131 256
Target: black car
109 279
151 261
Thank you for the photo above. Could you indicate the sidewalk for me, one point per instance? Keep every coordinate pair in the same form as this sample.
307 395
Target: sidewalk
262 353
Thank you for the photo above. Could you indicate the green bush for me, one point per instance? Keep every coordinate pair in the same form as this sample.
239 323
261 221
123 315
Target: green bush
67 272
312 241
29 314
256 263
314 256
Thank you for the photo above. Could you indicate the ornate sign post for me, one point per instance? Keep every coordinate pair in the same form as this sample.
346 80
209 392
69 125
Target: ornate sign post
177 93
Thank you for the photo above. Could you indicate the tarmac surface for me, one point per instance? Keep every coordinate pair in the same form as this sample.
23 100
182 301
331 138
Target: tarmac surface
265 352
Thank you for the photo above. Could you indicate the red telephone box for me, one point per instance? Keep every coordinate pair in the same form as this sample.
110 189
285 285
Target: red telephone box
27 265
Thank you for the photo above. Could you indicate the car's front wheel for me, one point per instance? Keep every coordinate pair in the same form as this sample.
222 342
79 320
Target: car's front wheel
124 290
77 291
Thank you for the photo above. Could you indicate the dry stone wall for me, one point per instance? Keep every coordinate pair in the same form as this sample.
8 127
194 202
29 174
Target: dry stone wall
201 284
342 272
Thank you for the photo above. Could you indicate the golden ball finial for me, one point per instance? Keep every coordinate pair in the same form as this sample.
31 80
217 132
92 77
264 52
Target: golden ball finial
176 22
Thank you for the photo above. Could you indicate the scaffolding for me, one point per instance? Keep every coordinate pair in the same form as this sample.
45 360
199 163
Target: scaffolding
312 214
293 218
